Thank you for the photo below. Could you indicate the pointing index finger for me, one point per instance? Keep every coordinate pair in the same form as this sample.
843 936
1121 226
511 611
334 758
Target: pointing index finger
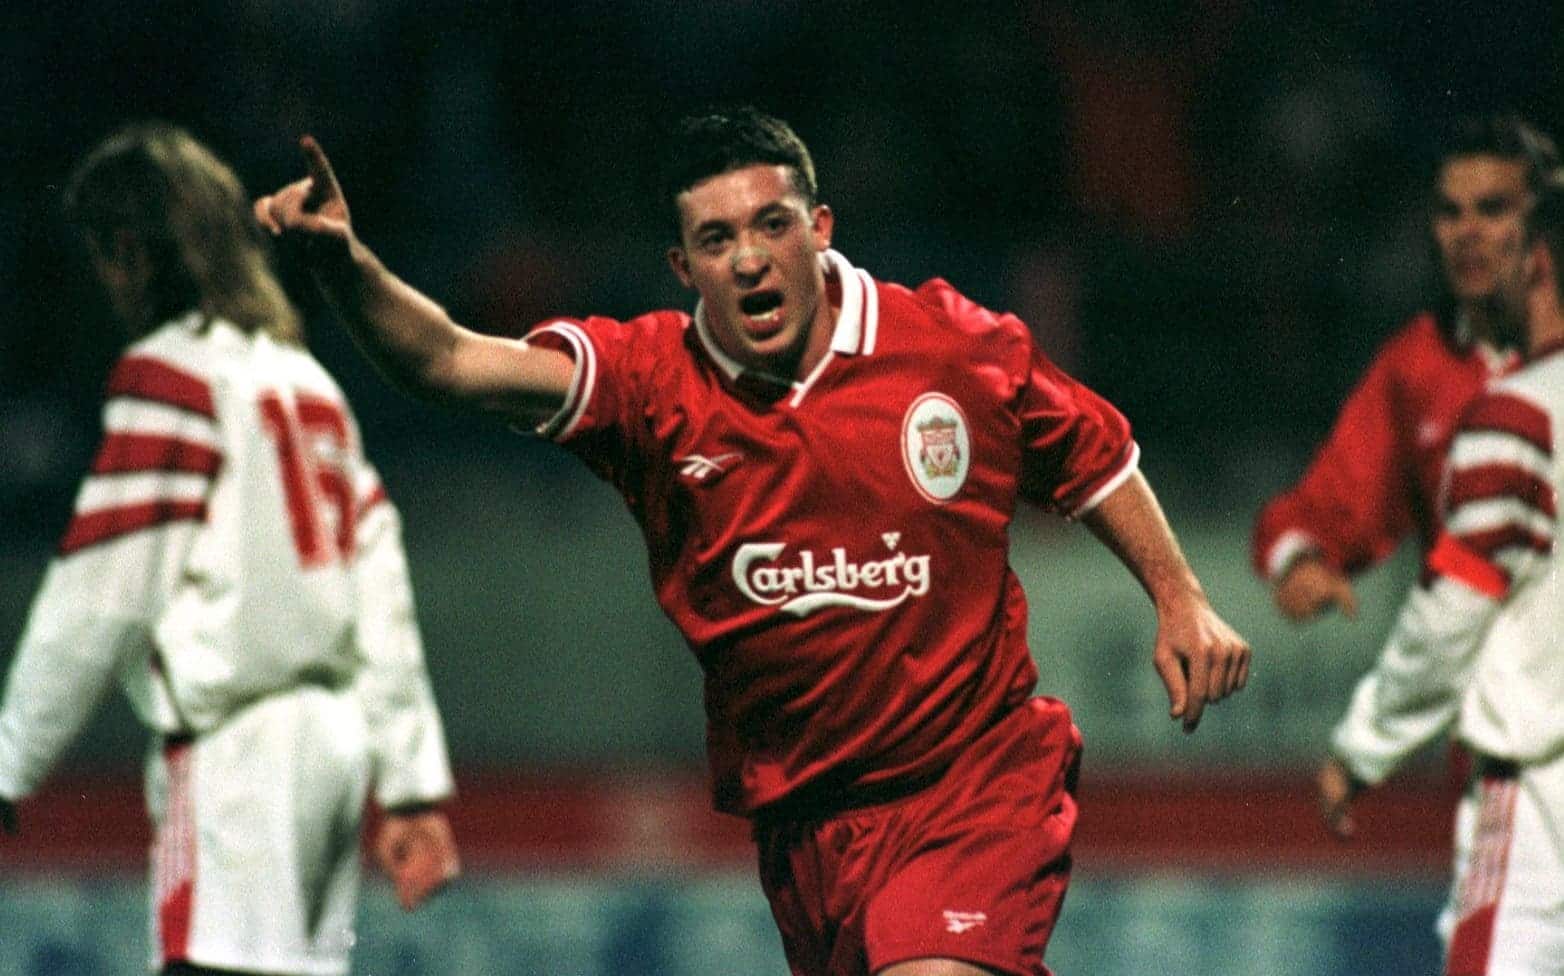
323 178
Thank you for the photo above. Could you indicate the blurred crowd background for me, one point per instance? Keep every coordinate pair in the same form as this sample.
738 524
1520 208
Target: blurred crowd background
1210 210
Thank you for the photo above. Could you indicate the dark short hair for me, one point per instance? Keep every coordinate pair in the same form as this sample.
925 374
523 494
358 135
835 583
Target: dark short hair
720 140
1502 134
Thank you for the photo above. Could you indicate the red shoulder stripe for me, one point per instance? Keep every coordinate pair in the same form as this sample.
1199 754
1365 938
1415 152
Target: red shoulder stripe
145 378
123 453
93 528
1488 481
1451 558
1506 413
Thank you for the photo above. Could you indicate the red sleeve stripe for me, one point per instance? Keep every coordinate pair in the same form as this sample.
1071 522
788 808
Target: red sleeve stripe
369 501
104 525
145 378
1489 543
124 453
1453 559
1486 482
1508 414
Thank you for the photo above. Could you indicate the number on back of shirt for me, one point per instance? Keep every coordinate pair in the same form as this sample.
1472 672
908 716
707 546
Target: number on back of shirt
310 435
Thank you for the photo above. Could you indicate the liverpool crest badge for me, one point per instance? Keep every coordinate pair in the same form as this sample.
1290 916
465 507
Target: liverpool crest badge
936 446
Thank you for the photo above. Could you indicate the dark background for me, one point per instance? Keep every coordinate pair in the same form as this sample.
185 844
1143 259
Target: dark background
1211 211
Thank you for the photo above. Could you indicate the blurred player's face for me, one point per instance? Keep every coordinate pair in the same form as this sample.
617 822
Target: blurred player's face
124 270
1479 216
1512 299
750 244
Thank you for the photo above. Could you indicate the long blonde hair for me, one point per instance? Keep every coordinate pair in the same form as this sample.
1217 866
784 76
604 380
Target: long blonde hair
190 210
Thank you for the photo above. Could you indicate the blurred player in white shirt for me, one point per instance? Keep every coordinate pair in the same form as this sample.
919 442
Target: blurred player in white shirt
1479 646
234 564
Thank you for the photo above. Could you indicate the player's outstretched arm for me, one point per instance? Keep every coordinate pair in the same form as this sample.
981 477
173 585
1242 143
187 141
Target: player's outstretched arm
408 335
1199 657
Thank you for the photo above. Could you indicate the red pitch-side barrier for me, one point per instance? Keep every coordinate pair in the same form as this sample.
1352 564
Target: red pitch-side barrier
1222 823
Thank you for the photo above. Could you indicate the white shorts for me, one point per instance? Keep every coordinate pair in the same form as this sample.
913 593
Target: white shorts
1505 914
255 852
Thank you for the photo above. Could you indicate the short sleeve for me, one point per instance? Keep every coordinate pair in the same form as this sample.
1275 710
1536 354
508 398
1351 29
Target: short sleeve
611 395
1077 446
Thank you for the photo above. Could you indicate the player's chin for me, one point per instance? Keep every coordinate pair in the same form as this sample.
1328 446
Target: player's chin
1473 286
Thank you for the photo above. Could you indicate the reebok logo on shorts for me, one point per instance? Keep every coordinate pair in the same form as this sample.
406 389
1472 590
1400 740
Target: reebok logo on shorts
959 922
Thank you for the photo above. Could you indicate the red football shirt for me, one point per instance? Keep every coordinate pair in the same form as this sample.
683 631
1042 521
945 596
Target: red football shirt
836 556
1376 477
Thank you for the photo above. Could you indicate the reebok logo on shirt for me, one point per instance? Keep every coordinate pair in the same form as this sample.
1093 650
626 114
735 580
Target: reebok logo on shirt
699 467
803 582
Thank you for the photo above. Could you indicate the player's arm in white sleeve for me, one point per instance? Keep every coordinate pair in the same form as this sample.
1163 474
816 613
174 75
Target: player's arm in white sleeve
1413 692
406 334
411 766
1497 532
135 517
67 659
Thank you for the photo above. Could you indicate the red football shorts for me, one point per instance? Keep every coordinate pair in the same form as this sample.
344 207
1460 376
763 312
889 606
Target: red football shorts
973 867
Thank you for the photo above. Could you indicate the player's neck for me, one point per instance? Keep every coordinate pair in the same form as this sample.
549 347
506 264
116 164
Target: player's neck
821 331
1478 321
1545 331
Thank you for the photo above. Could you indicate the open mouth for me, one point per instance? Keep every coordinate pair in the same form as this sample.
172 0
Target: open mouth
762 306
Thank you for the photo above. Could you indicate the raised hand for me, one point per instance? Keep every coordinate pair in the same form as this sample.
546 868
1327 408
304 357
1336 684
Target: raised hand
313 206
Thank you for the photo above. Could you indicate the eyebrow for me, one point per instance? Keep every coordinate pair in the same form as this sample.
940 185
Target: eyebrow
718 223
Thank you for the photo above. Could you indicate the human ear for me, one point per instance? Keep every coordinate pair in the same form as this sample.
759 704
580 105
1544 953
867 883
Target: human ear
679 261
821 222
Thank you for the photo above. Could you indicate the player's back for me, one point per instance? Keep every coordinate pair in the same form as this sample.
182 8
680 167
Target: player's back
261 596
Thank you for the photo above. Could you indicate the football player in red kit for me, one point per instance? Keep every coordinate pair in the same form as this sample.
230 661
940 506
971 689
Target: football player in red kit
824 467
1376 478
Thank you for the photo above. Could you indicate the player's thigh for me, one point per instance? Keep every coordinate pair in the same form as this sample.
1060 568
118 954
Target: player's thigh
1506 915
256 862
935 967
284 782
982 862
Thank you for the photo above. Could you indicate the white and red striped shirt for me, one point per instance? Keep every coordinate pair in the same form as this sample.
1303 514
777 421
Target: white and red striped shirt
1478 644
229 542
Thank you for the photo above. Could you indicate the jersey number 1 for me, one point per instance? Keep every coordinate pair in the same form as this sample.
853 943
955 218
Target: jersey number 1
311 438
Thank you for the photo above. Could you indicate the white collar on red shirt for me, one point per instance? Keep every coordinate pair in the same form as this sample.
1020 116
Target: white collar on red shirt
857 324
